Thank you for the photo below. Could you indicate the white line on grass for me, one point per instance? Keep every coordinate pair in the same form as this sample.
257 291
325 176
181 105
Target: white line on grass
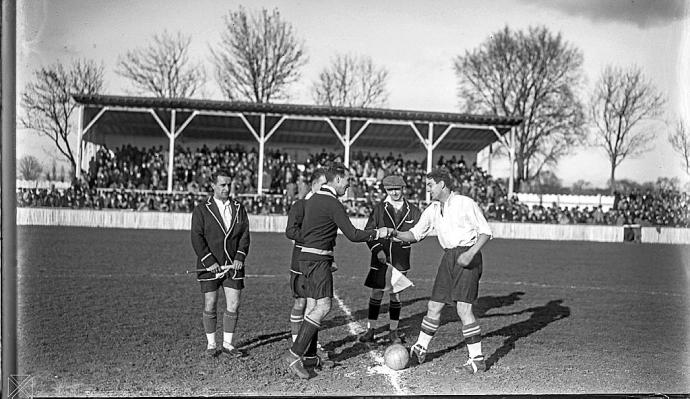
380 368
572 287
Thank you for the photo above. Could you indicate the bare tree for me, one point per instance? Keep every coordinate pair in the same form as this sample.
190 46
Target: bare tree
48 104
163 68
534 75
351 81
680 141
29 168
258 56
620 101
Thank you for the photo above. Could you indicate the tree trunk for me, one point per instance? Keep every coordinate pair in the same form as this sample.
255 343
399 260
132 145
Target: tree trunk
612 179
519 174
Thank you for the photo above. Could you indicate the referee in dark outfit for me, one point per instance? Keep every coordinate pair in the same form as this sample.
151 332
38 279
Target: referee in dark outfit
220 238
395 212
324 214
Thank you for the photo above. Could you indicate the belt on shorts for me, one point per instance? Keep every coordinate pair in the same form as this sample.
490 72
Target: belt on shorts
317 251
458 247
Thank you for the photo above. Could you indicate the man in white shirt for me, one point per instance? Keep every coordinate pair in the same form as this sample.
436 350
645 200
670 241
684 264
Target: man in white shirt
462 231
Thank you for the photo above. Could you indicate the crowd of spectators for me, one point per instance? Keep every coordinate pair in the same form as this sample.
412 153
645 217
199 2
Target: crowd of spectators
658 208
129 178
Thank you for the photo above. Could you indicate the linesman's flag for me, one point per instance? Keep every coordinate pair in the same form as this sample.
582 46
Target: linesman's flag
395 280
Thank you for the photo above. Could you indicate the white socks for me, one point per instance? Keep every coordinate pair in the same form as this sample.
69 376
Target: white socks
227 340
424 339
474 349
372 324
211 338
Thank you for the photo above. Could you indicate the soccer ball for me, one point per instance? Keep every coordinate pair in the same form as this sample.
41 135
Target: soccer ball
396 357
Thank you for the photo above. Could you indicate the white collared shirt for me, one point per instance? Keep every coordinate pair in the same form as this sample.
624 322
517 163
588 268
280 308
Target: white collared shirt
459 225
396 205
225 211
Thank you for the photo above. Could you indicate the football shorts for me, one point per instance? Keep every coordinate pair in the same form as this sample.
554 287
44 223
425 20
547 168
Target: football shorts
455 283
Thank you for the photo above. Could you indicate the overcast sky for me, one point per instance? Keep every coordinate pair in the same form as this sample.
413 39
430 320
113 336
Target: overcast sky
415 40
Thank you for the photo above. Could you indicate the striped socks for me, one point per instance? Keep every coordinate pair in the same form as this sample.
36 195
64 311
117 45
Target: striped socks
473 338
296 318
307 331
429 328
394 309
374 309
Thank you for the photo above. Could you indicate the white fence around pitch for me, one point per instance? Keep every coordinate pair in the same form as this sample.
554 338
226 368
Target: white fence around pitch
563 200
273 223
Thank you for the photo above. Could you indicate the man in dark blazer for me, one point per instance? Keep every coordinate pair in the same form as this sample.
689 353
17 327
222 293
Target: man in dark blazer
395 212
220 238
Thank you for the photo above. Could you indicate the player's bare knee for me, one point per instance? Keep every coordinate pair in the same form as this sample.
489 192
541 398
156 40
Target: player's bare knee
465 312
300 304
232 299
376 294
210 301
323 306
434 309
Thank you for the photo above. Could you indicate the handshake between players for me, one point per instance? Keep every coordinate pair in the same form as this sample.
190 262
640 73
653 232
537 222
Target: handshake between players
391 233
385 232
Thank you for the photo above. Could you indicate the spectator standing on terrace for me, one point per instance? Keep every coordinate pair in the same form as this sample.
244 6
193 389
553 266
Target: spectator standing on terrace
397 213
323 216
220 238
462 232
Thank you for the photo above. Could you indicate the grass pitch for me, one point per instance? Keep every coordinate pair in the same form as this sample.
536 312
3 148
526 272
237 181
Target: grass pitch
112 312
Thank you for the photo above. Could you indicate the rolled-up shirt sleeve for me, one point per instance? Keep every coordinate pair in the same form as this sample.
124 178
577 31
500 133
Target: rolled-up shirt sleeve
480 221
425 225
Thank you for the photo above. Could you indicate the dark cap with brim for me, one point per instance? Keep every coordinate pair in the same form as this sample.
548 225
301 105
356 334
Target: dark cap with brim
393 181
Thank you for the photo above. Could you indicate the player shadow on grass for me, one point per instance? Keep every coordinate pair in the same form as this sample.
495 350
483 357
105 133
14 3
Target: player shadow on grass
264 339
541 317
412 323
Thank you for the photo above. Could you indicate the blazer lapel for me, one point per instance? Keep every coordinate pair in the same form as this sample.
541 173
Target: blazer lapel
215 212
387 207
406 207
235 212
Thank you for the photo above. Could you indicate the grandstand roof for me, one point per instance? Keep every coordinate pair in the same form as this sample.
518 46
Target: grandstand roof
309 125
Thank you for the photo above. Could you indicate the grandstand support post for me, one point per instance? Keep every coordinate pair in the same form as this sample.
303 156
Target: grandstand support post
262 140
511 155
80 142
347 142
488 166
429 154
511 178
81 131
171 155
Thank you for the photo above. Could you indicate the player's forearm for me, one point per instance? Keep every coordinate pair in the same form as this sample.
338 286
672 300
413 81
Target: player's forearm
349 230
481 240
293 233
405 236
